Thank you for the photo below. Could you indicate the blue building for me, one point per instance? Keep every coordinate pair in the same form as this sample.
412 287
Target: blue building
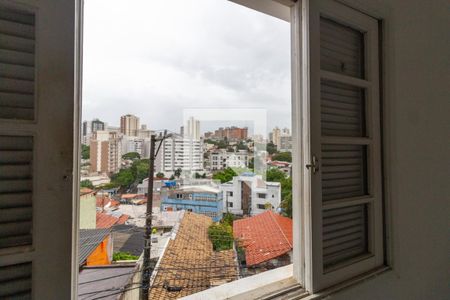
205 200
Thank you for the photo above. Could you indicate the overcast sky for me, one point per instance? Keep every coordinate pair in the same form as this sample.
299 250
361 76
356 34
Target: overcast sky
154 58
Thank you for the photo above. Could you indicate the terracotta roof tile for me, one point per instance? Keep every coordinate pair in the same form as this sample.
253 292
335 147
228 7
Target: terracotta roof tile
189 262
104 220
264 236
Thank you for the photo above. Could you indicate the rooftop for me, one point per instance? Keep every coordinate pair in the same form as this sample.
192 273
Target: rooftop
104 220
264 236
198 189
189 264
92 282
89 240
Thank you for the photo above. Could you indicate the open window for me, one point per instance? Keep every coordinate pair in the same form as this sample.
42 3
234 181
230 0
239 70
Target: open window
339 101
338 229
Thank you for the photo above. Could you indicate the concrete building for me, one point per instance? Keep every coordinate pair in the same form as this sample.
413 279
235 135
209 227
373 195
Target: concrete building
89 127
87 209
221 159
248 194
205 200
144 132
105 152
179 153
192 129
135 144
129 125
231 133
281 138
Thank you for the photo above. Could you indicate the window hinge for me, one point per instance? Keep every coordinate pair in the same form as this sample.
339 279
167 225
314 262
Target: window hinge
314 165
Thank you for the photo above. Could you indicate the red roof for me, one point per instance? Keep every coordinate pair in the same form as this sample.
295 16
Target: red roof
264 236
102 201
106 221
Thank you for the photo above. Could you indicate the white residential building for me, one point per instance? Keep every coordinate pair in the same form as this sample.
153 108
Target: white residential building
192 129
221 159
135 144
179 153
248 194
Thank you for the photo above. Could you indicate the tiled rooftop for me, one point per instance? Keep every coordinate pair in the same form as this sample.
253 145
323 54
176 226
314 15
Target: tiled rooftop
104 220
264 236
189 264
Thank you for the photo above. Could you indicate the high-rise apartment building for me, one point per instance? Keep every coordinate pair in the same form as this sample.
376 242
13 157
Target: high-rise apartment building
192 129
281 138
135 144
90 127
231 133
179 152
129 125
105 152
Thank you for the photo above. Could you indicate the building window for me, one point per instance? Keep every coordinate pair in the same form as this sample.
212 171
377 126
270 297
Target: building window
261 206
261 195
230 204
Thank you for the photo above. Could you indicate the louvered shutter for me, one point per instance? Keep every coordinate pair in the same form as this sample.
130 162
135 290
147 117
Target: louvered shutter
37 89
345 143
17 60
17 101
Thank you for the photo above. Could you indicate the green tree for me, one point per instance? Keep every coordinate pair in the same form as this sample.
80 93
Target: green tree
227 219
275 175
178 172
140 169
225 175
85 151
251 163
271 148
204 175
131 155
221 236
197 175
172 177
283 156
124 178
86 184
160 175
242 146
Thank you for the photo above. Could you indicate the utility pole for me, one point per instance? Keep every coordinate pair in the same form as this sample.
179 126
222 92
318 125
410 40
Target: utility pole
145 286
147 270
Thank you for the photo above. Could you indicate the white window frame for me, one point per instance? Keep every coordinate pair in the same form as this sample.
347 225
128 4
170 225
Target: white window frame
303 259
306 72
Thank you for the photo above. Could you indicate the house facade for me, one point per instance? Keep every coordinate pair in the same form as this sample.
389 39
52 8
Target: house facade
248 194
222 159
204 200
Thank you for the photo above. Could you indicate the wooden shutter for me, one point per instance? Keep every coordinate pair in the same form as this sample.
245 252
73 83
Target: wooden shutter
16 190
17 61
37 91
340 61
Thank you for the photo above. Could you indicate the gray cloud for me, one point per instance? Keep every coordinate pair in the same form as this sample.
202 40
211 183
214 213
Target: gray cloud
153 58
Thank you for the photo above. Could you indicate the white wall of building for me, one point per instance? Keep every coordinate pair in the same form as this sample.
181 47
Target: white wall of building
177 152
261 193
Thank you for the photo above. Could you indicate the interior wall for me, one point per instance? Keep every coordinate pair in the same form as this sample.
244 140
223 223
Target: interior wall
416 127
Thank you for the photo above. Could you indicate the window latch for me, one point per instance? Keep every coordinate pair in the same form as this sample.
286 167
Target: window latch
314 165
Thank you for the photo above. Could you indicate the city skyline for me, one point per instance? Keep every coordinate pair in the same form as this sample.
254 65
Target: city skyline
241 59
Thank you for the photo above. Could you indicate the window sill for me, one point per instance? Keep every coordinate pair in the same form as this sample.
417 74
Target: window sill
276 284
265 285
